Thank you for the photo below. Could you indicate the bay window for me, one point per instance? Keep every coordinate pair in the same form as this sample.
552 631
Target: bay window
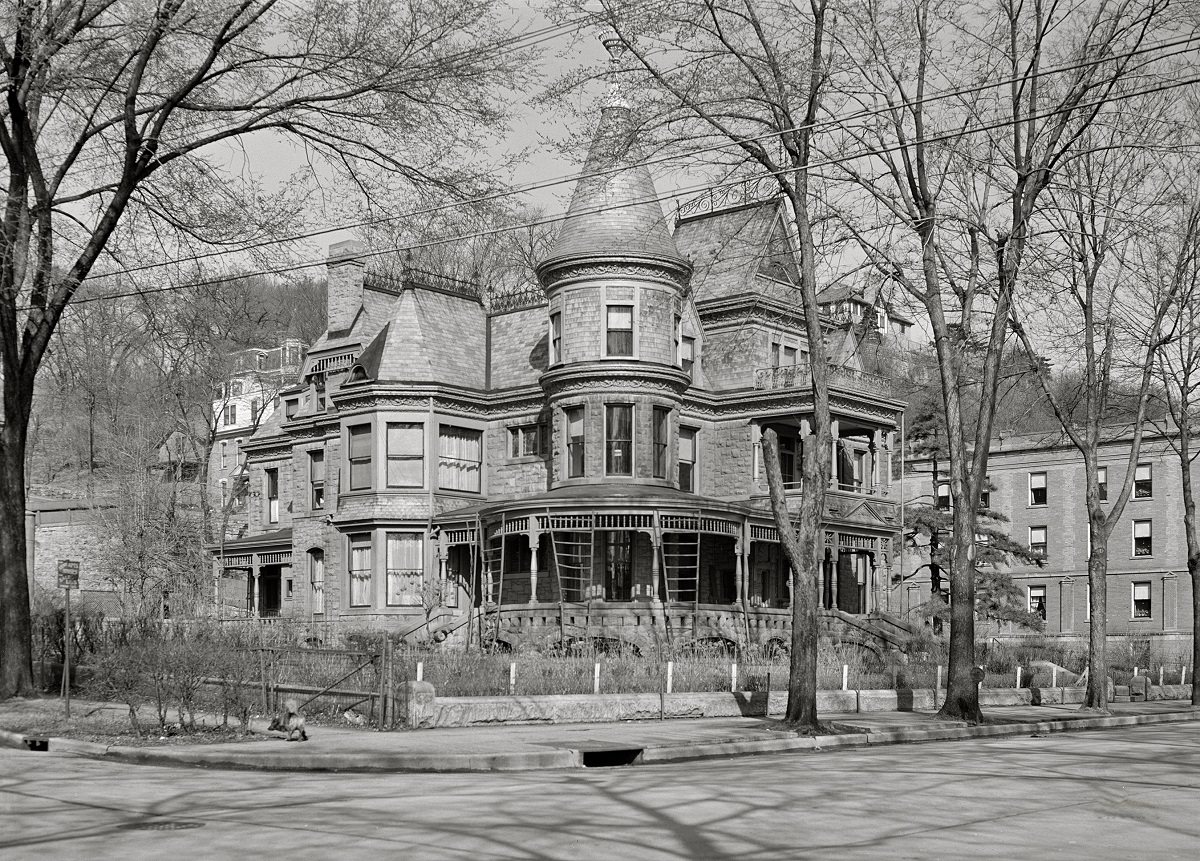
360 570
359 449
575 441
405 454
405 568
460 459
618 439
662 429
619 330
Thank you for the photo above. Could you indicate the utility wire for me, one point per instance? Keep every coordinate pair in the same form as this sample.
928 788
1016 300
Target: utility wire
948 136
1183 45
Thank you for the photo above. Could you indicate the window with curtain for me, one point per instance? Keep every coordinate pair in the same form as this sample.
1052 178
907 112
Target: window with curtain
619 327
360 456
405 569
618 443
460 458
575 441
1143 481
405 454
360 570
316 579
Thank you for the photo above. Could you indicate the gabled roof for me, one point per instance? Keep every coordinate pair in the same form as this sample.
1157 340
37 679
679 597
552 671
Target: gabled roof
614 209
738 251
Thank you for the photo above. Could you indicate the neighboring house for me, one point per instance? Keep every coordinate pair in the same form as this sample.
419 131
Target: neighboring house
577 459
64 529
1039 485
246 399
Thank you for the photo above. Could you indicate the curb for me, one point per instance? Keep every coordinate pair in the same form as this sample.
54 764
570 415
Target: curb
563 758
713 749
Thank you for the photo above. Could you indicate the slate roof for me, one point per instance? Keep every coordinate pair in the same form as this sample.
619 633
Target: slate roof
729 250
431 337
614 209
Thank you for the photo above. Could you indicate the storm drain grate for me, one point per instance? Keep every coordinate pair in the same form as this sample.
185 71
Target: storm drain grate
161 825
611 757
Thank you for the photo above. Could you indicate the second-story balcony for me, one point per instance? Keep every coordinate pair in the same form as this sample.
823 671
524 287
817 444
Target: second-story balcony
799 376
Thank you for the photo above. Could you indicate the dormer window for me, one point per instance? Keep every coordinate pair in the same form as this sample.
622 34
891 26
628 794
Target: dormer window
619 330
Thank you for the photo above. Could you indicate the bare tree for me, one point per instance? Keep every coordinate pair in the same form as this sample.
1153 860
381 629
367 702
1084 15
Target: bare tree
748 76
113 131
1178 373
946 177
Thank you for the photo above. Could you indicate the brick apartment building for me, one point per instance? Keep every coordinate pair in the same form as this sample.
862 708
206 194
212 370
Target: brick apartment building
1039 485
577 458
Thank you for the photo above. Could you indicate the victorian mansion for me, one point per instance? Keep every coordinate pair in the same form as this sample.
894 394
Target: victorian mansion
577 459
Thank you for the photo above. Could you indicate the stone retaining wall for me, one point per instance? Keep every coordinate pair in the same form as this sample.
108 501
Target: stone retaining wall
425 709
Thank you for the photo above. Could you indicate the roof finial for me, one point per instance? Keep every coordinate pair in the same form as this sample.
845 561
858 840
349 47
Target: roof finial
617 49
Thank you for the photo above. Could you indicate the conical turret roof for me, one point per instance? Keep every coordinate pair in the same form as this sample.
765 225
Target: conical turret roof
614 210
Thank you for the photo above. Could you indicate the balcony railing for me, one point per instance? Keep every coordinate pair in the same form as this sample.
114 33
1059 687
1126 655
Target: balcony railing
800 377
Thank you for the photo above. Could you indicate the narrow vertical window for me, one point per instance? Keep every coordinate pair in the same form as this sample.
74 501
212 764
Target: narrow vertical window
662 428
687 353
1037 488
575 442
254 410
272 476
224 455
1143 481
1142 608
774 354
790 452
405 454
555 338
1143 538
405 569
1102 481
460 459
619 328
618 439
316 579
316 479
360 457
687 459
230 415
360 570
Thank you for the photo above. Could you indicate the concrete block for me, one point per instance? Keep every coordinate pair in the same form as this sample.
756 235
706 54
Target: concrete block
837 702
1005 697
877 701
416 705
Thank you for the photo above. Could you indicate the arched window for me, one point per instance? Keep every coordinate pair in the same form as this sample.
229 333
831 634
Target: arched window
316 578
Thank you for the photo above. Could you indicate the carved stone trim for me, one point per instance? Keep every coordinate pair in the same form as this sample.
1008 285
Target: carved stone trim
555 274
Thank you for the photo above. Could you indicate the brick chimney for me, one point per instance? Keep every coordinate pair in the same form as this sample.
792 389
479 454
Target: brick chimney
345 279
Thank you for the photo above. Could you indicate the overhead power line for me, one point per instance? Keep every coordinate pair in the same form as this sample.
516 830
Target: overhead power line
1182 45
866 153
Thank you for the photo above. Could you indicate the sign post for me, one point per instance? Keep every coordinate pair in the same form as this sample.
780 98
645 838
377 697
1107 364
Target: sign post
68 579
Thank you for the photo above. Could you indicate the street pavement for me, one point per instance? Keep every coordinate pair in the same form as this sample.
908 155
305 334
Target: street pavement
1105 795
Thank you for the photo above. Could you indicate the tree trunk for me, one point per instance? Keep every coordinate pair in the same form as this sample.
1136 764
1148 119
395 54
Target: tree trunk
802 548
16 646
1096 695
962 691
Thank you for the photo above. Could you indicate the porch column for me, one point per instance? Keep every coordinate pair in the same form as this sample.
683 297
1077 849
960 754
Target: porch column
254 595
833 454
535 540
442 550
739 571
889 443
876 452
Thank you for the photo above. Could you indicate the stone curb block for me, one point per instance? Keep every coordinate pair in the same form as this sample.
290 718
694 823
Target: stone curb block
569 758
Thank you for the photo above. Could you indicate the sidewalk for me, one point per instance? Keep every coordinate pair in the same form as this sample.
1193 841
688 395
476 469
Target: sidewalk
520 748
